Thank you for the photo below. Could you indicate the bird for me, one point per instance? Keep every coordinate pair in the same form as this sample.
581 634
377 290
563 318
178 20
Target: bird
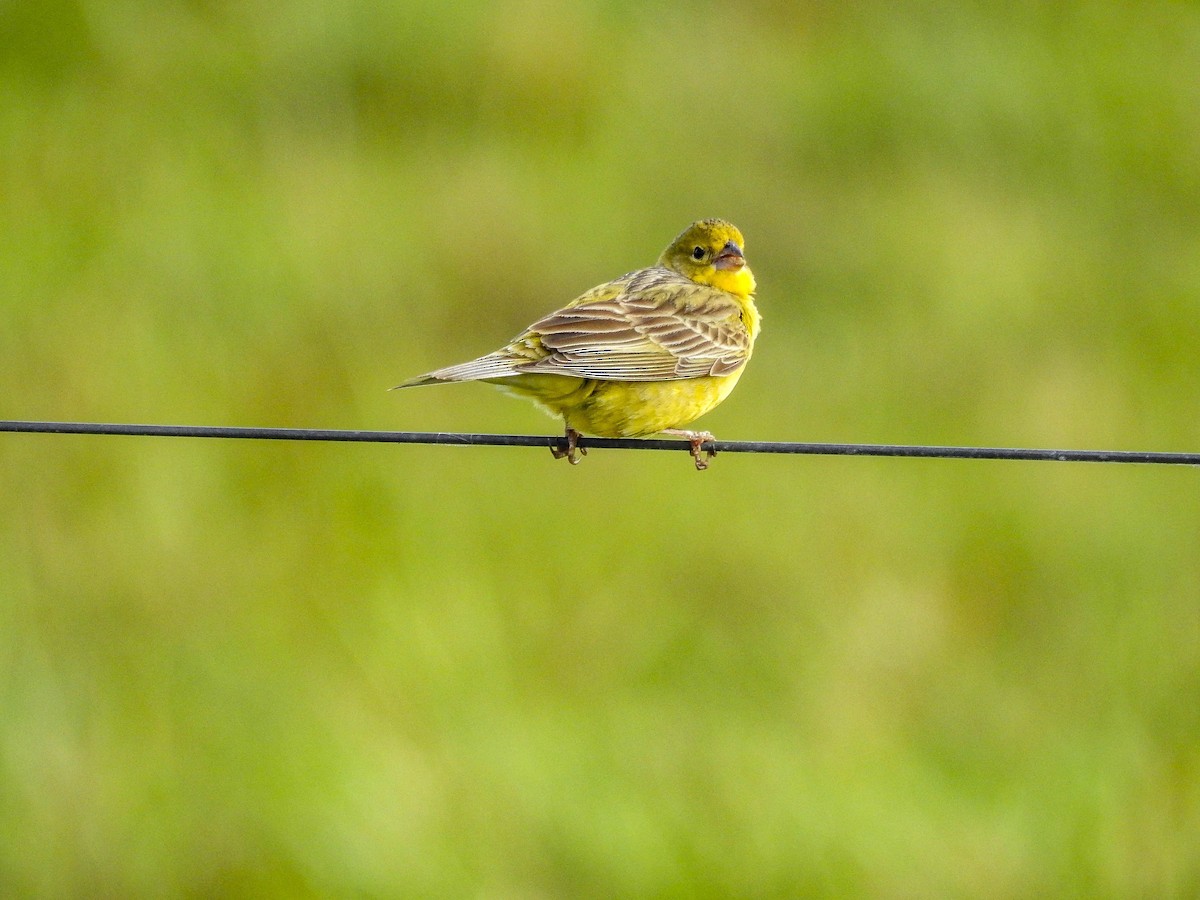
643 354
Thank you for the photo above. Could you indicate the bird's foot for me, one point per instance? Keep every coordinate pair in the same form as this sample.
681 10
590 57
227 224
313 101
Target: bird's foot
697 439
573 451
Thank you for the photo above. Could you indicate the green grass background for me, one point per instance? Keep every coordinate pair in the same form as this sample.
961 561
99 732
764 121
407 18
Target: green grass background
267 669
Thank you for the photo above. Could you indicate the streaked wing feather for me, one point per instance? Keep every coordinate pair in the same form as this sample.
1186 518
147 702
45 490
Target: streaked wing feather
650 325
658 326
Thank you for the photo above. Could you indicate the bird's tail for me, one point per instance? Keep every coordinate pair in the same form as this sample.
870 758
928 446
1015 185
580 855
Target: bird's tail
483 369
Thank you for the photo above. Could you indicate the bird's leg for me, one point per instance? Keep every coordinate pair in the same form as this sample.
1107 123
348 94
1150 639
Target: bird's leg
573 449
696 439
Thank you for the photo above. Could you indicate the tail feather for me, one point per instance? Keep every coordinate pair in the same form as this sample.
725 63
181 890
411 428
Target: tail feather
486 367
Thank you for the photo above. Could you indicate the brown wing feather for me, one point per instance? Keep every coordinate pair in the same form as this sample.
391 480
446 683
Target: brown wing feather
651 325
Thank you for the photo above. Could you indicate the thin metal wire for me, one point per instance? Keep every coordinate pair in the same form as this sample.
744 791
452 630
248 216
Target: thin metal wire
559 442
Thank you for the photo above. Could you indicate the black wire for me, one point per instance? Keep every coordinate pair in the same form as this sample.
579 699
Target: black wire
527 440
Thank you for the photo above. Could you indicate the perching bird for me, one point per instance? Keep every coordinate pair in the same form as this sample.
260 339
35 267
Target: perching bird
642 354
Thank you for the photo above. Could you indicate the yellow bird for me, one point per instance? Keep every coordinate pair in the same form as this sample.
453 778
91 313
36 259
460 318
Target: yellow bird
639 355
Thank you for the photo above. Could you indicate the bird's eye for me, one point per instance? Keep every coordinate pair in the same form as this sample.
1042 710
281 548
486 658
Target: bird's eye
698 253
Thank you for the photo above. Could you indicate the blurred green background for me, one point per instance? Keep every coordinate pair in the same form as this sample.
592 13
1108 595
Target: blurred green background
271 669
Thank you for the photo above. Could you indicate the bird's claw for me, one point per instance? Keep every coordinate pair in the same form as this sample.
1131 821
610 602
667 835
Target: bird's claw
697 450
573 451
698 439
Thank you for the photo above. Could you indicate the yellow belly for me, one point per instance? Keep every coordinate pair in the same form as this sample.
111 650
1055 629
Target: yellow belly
622 408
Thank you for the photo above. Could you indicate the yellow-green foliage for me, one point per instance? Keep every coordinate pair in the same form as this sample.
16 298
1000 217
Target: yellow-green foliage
278 669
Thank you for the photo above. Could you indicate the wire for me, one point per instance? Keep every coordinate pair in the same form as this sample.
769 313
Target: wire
559 442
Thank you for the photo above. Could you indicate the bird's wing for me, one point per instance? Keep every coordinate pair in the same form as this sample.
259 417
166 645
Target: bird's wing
651 325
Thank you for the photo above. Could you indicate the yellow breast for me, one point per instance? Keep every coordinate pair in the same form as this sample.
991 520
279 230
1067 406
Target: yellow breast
625 408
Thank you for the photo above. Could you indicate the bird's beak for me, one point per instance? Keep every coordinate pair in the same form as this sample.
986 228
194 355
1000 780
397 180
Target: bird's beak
730 257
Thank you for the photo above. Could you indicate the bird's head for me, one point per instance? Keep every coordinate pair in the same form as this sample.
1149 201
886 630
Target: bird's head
711 252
